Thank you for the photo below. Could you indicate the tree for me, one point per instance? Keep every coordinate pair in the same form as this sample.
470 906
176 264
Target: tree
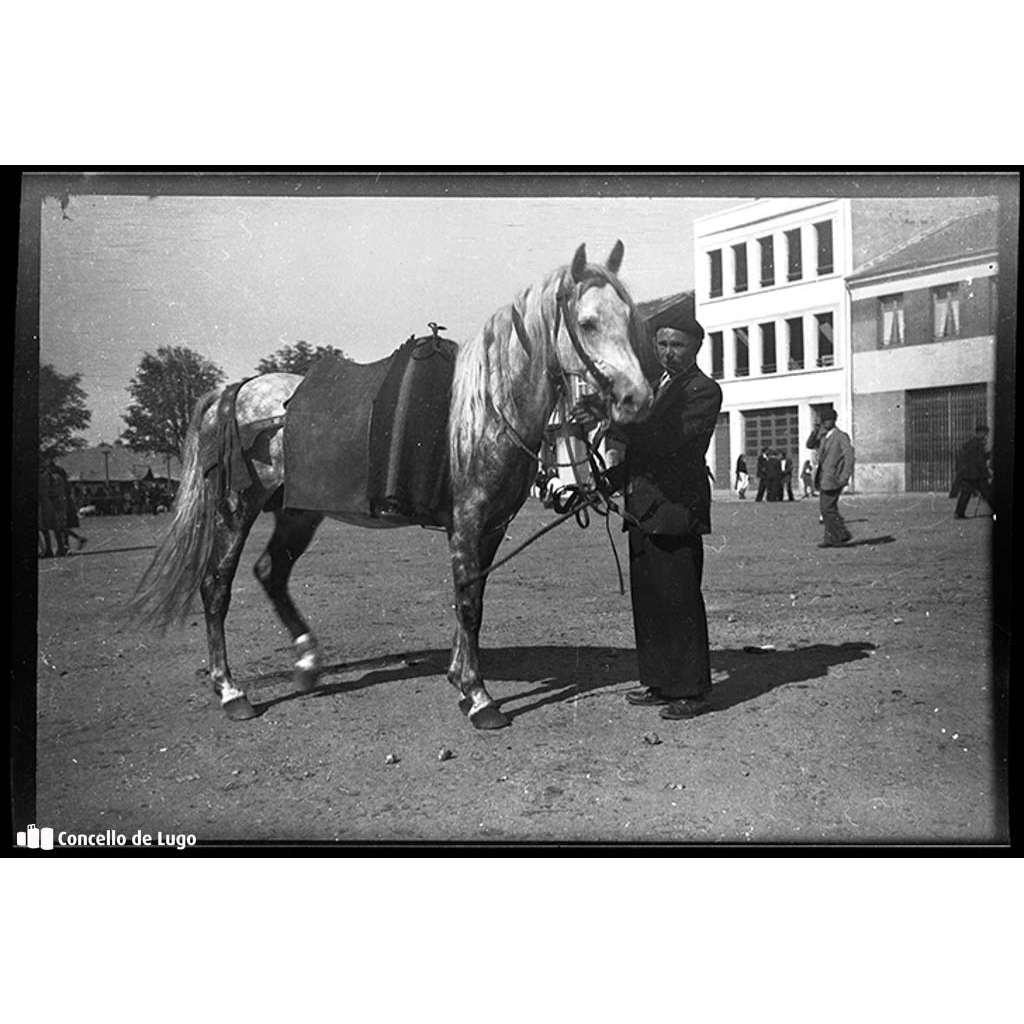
62 412
297 358
164 392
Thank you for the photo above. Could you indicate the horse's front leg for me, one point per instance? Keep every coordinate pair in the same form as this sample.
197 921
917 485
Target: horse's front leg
472 553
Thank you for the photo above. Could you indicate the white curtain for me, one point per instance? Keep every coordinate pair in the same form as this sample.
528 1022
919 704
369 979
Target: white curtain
892 323
947 313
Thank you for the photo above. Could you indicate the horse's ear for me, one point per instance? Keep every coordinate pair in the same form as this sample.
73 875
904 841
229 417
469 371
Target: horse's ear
615 257
579 263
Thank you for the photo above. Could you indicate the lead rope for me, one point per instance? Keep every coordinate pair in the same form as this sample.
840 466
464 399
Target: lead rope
576 504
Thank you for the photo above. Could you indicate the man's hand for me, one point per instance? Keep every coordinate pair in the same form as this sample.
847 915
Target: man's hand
589 410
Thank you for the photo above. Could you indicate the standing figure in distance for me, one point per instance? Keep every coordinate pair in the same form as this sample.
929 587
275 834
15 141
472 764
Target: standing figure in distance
742 477
972 472
773 475
668 510
787 476
807 476
762 483
835 466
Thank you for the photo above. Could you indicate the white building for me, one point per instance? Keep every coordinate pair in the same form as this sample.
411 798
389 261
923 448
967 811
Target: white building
773 296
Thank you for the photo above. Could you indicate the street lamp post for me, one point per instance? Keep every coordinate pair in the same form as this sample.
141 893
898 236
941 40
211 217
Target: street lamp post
106 449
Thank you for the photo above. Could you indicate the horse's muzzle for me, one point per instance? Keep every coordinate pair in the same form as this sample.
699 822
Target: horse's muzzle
632 404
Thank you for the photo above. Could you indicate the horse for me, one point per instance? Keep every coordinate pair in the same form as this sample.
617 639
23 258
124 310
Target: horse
579 319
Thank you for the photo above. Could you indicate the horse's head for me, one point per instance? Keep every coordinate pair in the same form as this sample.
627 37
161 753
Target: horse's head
599 334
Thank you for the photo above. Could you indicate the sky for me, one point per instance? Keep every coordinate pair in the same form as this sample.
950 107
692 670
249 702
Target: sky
235 278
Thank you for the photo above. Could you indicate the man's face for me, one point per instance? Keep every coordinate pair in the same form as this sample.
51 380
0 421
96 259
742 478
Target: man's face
676 351
828 422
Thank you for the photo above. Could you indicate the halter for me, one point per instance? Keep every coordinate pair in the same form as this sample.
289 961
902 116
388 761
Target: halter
563 312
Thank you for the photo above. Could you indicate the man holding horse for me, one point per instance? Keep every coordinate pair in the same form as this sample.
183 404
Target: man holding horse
668 510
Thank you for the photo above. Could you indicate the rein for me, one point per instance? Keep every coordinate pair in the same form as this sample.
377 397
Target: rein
576 502
579 504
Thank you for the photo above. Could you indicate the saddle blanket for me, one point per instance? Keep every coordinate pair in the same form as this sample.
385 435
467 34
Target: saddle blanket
371 439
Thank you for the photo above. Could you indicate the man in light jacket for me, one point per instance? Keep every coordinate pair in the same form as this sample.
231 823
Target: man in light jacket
835 466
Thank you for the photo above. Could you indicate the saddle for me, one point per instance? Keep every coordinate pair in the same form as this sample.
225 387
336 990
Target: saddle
372 439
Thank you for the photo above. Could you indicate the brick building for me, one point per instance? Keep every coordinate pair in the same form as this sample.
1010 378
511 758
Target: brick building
923 343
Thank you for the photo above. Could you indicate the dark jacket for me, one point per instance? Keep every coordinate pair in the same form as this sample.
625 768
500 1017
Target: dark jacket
973 461
663 471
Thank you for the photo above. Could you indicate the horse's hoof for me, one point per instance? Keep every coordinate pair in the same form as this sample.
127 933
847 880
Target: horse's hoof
465 705
490 717
239 709
306 679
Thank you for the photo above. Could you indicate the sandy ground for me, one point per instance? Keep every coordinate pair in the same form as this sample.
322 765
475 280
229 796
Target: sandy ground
869 722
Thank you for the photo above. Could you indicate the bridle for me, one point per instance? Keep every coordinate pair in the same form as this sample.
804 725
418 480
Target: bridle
580 499
564 312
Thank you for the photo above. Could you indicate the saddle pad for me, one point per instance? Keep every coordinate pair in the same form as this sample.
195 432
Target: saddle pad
326 436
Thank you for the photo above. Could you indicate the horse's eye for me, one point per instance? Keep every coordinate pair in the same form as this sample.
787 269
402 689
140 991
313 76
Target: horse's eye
588 323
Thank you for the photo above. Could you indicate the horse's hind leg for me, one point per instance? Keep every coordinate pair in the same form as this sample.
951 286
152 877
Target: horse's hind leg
293 530
231 529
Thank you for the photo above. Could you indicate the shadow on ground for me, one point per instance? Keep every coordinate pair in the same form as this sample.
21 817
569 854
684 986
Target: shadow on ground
558 674
871 541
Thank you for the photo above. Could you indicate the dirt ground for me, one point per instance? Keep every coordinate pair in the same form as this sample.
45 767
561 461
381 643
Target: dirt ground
869 722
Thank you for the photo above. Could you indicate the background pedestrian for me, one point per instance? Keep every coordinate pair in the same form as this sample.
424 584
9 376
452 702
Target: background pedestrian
972 472
835 466
742 477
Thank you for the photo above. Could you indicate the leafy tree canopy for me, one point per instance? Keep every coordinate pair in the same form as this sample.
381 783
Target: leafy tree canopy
62 412
164 392
297 358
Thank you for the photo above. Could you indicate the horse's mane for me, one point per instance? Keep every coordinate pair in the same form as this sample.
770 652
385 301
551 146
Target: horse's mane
488 365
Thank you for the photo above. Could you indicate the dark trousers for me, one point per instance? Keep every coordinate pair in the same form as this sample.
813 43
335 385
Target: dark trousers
967 488
669 618
787 487
835 529
762 485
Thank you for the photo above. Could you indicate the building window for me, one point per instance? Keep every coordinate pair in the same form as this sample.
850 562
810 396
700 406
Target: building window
795 328
717 356
890 320
993 312
767 246
739 266
826 340
946 307
824 233
741 341
794 257
715 262
768 363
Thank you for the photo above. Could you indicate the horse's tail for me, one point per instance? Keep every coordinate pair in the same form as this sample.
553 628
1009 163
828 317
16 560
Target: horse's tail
165 592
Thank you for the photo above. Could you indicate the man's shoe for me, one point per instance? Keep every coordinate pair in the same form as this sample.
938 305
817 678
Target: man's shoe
645 697
955 516
688 707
